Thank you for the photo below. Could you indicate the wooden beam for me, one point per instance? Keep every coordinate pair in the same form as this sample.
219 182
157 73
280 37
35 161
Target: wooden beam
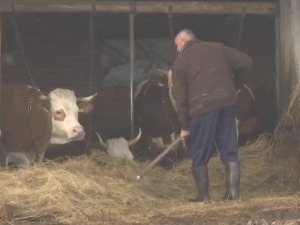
0 83
289 51
184 7
0 65
131 48
296 40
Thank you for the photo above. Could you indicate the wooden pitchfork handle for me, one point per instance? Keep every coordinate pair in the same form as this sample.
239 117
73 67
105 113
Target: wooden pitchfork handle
159 157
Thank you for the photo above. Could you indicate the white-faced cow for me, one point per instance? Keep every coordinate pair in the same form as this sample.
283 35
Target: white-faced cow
118 147
110 117
32 120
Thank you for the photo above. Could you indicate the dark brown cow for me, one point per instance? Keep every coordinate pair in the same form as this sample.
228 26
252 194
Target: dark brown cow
260 116
155 111
111 114
156 116
31 121
247 115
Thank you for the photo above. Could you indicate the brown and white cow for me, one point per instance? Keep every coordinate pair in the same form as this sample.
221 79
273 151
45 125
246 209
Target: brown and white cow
110 117
31 121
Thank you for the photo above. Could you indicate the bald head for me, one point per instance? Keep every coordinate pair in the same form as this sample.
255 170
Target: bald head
183 37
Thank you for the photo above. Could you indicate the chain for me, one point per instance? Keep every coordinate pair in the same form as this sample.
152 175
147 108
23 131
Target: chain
30 76
174 126
164 105
21 48
91 55
29 108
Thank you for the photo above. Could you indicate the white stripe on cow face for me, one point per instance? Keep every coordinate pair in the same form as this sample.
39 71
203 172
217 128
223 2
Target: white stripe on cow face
139 87
118 147
65 125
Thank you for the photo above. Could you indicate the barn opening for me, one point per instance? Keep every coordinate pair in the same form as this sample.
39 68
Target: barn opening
59 51
51 39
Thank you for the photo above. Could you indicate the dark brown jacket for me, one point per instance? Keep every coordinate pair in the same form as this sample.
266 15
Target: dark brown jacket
202 77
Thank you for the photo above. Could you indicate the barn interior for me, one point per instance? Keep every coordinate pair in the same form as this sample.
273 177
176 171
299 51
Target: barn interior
82 51
59 50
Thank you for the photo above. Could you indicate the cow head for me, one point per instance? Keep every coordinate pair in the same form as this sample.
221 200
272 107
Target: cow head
164 79
64 109
160 79
118 147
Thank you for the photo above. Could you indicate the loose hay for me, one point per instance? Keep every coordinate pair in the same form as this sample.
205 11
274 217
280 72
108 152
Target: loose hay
103 190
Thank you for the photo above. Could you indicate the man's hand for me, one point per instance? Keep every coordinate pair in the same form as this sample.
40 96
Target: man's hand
184 134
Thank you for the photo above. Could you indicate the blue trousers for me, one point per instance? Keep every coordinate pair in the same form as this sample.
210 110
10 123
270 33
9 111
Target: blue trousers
211 132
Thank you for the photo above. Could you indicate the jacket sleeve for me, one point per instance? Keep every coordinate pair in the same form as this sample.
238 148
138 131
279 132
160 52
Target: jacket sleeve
240 64
180 92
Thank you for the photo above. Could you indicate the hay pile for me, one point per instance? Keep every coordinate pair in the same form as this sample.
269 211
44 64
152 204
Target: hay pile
101 190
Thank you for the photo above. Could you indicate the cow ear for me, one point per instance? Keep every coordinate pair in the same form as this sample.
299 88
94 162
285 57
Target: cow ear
163 72
85 107
85 104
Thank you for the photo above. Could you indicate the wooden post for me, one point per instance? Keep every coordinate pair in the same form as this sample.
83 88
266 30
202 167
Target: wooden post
295 13
0 63
278 68
0 77
289 49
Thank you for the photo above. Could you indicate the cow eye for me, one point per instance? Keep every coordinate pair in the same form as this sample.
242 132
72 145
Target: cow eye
59 115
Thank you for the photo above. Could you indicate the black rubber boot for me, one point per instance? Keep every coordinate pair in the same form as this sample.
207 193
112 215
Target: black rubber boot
227 184
232 180
201 178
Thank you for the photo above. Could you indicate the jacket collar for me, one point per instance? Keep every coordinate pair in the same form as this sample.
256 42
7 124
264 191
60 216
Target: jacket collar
191 42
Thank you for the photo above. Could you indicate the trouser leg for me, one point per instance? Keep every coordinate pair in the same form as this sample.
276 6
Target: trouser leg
226 139
202 129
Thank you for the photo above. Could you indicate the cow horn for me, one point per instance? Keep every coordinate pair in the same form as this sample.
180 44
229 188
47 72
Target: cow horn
164 72
87 99
44 97
101 143
136 139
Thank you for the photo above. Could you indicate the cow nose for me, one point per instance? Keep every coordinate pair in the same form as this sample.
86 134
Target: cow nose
78 132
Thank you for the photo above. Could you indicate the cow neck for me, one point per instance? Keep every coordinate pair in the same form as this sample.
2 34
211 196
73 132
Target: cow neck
166 112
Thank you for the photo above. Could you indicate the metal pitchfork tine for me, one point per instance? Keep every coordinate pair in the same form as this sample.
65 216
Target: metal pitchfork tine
159 157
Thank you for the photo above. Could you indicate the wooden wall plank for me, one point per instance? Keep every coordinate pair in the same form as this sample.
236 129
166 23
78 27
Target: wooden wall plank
295 12
191 7
0 62
284 77
289 50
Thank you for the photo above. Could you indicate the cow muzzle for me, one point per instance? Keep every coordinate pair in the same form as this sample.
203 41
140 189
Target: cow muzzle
77 133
